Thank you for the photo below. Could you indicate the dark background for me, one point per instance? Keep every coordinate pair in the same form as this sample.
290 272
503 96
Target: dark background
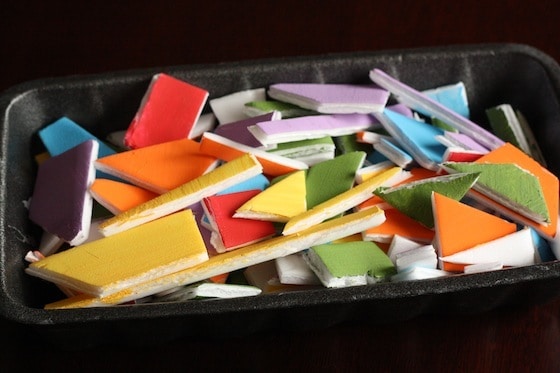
41 39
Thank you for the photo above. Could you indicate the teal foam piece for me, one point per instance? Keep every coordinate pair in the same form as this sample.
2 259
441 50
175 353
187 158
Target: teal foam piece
256 182
64 134
542 246
417 138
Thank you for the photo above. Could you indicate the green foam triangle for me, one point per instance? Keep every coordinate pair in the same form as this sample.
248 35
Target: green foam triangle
510 185
414 199
328 179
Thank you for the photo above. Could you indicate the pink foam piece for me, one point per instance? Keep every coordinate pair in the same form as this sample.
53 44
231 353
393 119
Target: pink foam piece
169 111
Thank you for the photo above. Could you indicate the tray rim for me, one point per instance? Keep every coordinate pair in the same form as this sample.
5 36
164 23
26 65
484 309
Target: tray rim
22 314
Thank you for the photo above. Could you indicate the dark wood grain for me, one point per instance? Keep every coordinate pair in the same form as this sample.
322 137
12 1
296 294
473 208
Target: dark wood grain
42 39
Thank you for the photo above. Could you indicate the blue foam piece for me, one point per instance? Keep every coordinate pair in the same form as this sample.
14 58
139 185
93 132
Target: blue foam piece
64 134
256 182
375 157
543 248
416 138
453 96
394 153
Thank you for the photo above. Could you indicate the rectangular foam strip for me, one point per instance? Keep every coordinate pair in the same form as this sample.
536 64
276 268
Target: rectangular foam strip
415 99
225 176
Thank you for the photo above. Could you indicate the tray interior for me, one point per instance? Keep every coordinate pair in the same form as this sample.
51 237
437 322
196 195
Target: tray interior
493 74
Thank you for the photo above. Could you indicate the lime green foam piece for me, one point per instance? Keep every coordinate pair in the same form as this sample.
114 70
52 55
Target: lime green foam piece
354 259
286 109
414 199
436 122
302 148
509 184
328 179
501 124
348 143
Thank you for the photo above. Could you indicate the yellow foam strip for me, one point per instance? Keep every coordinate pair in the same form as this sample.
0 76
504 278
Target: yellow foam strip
111 264
237 259
339 204
225 176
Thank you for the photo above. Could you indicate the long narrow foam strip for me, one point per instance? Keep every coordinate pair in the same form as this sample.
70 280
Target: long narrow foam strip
243 257
339 203
411 97
225 176
225 149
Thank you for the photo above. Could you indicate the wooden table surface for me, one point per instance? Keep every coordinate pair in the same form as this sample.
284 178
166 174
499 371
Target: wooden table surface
43 39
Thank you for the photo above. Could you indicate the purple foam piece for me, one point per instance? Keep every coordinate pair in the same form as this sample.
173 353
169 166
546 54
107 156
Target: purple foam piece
311 127
332 98
238 132
465 141
61 203
401 109
419 101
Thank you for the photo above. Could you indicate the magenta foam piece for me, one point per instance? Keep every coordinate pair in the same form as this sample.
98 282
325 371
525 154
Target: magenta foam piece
61 203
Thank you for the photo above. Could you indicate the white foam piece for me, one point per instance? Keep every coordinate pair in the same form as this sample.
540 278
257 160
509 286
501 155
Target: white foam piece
230 108
419 273
400 244
205 123
210 290
293 269
483 267
513 250
424 256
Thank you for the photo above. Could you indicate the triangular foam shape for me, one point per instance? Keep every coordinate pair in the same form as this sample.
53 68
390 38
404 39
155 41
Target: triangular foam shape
522 192
231 233
279 202
460 226
329 178
118 197
508 153
414 199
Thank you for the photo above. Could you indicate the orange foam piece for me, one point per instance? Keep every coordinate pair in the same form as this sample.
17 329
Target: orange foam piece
219 279
118 197
227 150
460 227
509 153
397 223
159 168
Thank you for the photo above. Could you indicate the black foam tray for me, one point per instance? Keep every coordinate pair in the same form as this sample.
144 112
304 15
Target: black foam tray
493 74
